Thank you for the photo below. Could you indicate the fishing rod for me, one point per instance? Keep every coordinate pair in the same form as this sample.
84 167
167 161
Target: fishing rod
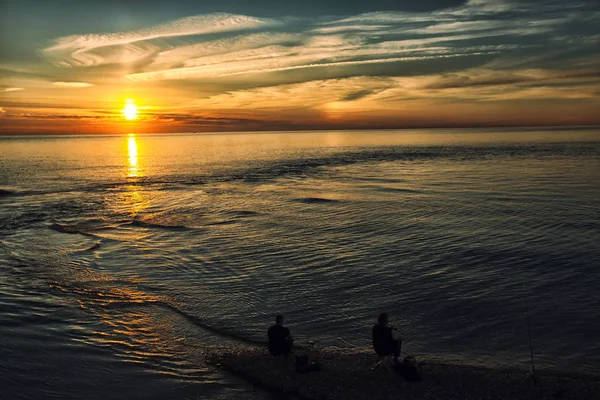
348 343
529 335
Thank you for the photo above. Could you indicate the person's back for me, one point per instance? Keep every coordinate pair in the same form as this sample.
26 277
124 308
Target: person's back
383 340
280 339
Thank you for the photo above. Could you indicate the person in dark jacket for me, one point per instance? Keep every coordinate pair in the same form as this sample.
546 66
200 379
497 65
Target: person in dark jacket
383 339
280 338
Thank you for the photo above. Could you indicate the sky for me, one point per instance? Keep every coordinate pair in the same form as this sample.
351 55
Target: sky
70 66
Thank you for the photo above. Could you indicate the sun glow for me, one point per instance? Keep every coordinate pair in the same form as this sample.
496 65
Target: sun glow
130 111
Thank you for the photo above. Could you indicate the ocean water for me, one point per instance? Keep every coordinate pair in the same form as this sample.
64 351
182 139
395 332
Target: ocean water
123 257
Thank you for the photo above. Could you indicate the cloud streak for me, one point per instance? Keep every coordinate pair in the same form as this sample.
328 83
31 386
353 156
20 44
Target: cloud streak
86 50
72 84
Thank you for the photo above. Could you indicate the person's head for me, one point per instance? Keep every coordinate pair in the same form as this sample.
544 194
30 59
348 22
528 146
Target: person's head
383 318
279 319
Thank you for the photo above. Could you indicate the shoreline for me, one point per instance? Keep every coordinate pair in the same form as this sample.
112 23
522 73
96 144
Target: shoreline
348 375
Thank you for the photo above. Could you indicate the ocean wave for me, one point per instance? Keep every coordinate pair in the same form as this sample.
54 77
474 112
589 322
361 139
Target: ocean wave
7 193
151 224
308 166
243 213
95 246
395 190
70 229
102 293
315 200
207 326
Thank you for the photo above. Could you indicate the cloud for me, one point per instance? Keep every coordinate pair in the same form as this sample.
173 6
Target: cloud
72 84
388 18
490 77
192 54
84 50
541 93
475 7
305 95
251 67
377 93
481 85
313 52
350 28
191 49
357 95
481 52
198 120
13 89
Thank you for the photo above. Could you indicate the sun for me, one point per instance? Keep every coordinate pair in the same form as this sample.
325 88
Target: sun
130 111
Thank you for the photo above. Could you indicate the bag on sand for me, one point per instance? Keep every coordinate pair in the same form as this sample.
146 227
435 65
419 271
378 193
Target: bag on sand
303 365
409 369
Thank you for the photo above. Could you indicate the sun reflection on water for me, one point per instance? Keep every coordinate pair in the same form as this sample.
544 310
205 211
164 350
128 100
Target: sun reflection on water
133 200
132 152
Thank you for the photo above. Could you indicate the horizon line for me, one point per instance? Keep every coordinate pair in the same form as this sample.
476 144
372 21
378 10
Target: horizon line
290 130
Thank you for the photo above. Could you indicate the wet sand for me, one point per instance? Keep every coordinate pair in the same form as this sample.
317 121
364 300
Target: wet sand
349 375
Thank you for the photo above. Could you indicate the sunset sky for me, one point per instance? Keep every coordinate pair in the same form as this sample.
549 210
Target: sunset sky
70 66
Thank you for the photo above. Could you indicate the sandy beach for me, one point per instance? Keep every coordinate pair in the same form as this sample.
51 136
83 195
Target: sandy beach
349 375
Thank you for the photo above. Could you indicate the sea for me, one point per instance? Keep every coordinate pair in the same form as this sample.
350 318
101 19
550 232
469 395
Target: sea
123 258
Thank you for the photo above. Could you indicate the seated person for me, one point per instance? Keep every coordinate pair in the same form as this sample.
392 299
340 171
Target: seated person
280 339
383 340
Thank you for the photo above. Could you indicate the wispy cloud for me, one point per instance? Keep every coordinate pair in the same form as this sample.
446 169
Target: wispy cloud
313 52
306 95
280 45
88 50
268 66
490 77
190 55
13 89
479 7
72 84
350 28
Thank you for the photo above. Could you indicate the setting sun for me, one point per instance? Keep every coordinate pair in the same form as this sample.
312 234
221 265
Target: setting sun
130 111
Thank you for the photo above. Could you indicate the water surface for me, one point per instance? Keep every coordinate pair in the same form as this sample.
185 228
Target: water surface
123 257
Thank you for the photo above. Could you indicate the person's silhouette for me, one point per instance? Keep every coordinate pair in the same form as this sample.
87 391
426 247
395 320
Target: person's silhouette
383 339
280 338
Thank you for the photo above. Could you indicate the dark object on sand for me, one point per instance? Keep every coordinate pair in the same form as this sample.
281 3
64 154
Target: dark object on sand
280 338
408 369
304 365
